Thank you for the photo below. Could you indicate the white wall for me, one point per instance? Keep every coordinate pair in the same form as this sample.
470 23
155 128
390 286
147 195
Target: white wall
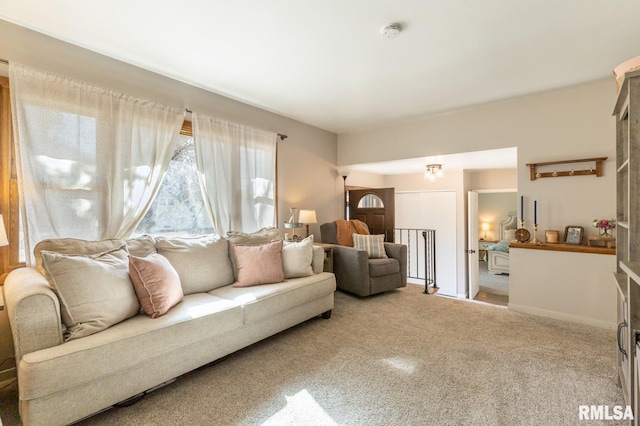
569 123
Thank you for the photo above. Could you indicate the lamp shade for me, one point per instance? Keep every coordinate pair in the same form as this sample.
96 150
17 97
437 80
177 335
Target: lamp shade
485 226
3 234
307 216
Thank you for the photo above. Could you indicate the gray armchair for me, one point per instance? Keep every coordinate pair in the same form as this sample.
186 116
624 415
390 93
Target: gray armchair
357 274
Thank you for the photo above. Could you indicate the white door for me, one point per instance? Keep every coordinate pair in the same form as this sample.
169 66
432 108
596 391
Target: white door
432 210
472 245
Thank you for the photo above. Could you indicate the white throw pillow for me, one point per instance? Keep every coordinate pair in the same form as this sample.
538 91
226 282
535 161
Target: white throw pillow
297 257
372 244
95 291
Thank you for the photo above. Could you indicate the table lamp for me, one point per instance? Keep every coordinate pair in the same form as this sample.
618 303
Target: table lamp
485 228
307 217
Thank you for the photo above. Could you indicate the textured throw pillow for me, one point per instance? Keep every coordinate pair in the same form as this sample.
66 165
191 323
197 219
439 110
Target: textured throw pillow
297 257
95 291
372 244
259 264
202 263
156 283
141 246
263 235
71 246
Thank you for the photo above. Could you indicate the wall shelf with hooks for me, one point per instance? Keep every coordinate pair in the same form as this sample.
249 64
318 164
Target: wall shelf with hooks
596 170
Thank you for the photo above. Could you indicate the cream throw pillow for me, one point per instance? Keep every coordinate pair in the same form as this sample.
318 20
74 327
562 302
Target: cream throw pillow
95 291
372 244
202 263
156 283
297 257
259 264
71 246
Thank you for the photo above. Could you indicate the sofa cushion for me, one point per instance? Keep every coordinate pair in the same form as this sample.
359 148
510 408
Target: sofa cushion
261 302
258 264
141 246
156 283
380 267
202 263
372 244
71 246
95 291
128 344
297 258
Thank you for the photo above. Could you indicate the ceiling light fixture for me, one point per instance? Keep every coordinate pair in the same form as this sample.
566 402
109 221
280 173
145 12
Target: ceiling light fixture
433 171
391 31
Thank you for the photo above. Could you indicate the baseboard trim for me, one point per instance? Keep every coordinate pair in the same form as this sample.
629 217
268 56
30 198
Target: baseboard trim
562 316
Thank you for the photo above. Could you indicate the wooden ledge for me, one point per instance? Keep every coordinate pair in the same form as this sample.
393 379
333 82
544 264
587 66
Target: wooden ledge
564 247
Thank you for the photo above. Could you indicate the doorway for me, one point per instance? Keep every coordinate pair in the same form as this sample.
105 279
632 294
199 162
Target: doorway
492 219
376 208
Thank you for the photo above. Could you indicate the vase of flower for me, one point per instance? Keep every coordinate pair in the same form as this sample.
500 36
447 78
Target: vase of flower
605 226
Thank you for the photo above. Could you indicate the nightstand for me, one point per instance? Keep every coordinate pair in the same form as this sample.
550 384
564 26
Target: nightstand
482 247
328 256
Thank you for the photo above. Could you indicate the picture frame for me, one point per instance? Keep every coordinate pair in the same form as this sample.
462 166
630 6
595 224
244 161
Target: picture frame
573 235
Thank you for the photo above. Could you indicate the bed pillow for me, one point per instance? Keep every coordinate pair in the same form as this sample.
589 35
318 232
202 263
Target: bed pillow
509 234
156 283
95 291
259 264
372 244
297 257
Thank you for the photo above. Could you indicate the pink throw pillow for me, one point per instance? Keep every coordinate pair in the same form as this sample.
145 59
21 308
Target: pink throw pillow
259 264
156 283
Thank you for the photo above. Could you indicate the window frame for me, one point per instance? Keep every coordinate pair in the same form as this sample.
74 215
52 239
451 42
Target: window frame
9 199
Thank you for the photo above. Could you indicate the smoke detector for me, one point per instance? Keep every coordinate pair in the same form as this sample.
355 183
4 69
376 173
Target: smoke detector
391 31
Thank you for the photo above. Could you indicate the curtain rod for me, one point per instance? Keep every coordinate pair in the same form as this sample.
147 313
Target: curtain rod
280 135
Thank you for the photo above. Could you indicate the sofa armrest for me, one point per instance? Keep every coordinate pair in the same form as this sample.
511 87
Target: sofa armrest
398 251
33 310
317 261
351 267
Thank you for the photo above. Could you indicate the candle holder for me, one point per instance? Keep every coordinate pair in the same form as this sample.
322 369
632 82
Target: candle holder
535 234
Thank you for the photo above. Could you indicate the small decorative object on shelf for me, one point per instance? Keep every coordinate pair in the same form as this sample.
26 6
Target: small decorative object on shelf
522 235
573 234
605 226
551 236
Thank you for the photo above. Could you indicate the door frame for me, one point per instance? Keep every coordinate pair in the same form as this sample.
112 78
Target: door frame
475 265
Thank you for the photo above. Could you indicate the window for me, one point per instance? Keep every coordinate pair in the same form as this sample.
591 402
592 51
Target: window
178 207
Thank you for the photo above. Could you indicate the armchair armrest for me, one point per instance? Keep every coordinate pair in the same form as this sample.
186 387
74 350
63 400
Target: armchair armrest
33 310
398 251
351 267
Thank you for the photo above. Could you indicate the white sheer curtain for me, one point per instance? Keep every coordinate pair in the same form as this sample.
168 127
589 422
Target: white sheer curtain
90 160
237 170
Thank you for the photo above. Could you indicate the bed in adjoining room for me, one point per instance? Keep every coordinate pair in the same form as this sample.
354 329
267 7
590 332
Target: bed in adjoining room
497 256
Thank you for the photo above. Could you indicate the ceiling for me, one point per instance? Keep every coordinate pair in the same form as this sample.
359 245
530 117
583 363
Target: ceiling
505 158
326 63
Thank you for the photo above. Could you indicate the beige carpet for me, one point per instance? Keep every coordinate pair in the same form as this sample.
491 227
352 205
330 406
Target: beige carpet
490 283
401 358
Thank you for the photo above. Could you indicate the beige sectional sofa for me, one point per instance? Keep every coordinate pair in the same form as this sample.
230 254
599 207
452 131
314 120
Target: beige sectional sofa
63 379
